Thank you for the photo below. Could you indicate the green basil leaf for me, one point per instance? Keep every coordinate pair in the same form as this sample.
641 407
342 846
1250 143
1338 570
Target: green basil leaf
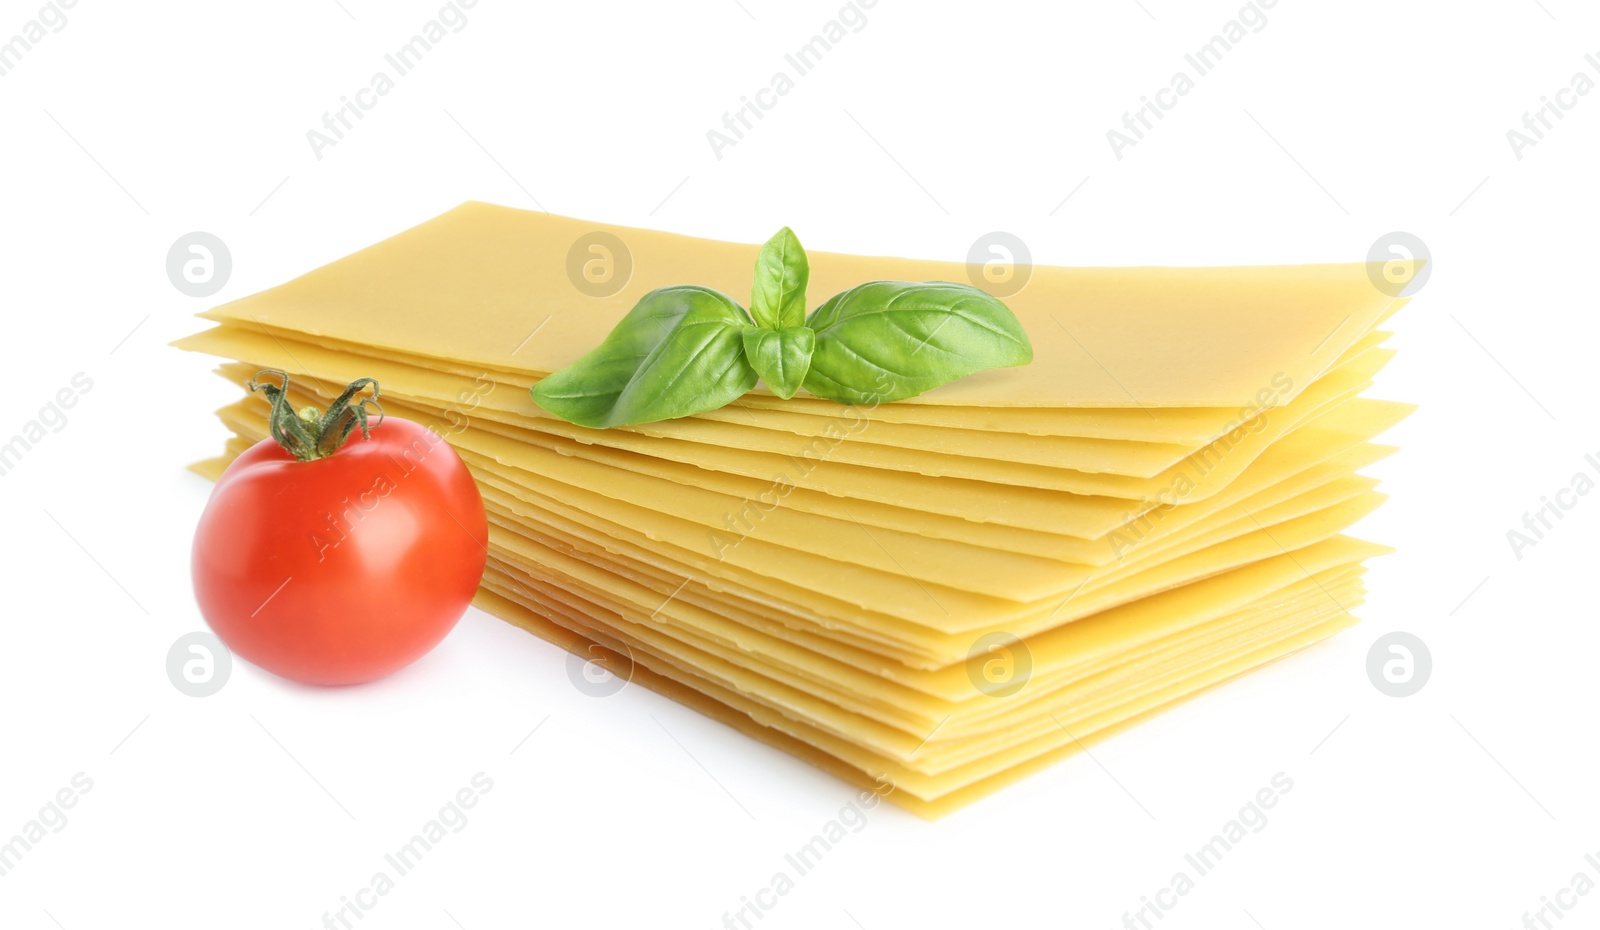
888 340
778 297
781 357
679 351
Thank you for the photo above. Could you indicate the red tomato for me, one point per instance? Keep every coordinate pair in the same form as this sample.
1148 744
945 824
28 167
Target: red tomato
345 568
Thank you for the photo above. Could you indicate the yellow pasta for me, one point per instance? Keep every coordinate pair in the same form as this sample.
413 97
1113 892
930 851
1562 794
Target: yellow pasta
931 598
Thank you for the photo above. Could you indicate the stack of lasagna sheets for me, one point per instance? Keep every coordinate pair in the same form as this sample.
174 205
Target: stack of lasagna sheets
944 593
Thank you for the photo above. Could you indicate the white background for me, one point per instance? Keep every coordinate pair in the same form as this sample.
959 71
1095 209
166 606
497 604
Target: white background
264 805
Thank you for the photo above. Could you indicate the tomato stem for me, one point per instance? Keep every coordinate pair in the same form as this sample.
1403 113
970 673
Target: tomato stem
309 433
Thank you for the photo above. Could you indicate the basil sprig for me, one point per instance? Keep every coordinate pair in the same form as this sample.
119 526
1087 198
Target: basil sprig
686 349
